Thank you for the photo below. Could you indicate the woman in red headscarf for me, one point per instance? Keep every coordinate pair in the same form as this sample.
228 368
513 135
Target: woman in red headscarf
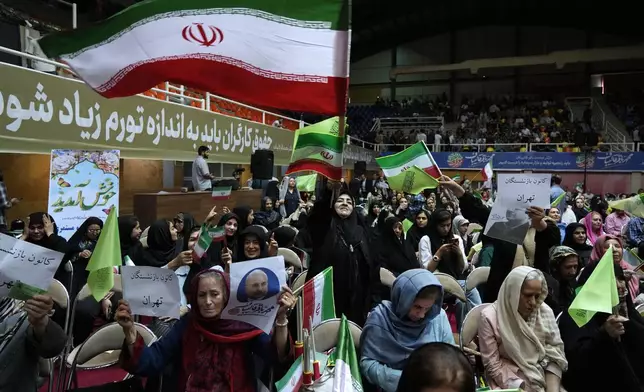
208 353
602 244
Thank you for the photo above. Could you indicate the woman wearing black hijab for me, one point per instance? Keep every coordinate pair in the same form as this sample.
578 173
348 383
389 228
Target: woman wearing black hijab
246 216
129 235
267 216
576 239
183 223
162 247
79 251
394 253
418 230
42 231
339 241
230 223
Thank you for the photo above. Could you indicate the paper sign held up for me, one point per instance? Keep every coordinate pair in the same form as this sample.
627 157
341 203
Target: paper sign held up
151 291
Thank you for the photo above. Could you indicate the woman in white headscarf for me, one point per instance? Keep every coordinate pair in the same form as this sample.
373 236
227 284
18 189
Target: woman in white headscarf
289 196
520 342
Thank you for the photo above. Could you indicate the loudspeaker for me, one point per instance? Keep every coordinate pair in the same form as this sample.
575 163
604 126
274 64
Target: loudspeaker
359 168
261 165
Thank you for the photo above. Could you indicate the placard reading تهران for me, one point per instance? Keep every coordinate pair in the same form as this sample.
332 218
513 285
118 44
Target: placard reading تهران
151 291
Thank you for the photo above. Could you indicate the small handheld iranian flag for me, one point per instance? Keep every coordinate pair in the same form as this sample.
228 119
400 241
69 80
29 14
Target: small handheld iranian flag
486 172
318 299
293 379
206 237
221 193
346 375
416 155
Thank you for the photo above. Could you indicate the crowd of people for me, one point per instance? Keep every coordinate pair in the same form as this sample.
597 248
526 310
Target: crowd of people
526 338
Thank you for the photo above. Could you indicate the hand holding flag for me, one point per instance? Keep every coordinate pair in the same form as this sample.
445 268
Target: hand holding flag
105 257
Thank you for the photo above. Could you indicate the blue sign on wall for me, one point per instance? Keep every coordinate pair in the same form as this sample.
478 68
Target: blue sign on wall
550 161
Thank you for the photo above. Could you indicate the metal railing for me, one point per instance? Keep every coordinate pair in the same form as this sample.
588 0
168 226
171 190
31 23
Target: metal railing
611 133
179 95
496 147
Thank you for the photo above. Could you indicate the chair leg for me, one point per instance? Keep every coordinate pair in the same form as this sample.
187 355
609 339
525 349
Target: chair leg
50 385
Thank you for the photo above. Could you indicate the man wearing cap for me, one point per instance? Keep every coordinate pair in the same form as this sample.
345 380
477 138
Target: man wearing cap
562 279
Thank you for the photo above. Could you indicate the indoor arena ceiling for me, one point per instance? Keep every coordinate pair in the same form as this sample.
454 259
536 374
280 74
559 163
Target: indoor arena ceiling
381 24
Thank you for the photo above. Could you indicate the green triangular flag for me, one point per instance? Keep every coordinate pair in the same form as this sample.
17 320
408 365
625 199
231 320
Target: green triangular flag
558 200
599 294
413 180
633 205
106 256
306 183
407 224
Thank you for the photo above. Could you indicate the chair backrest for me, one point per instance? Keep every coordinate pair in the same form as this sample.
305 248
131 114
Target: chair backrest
474 227
299 281
451 285
59 294
476 277
109 337
386 277
290 257
640 309
558 317
326 334
470 326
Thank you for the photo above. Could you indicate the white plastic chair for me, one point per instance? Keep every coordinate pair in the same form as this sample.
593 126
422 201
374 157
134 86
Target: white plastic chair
102 349
477 277
451 286
290 257
470 326
640 309
299 281
326 334
387 278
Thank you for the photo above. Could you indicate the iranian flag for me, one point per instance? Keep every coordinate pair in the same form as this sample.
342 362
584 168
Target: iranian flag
288 54
221 193
415 155
346 375
317 297
486 172
293 379
318 148
206 237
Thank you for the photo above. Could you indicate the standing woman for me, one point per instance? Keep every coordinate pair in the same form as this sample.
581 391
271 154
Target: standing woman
80 248
418 230
290 198
594 226
230 223
339 241
576 239
5 201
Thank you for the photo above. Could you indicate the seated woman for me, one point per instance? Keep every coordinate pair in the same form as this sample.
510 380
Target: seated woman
602 244
395 328
206 350
518 336
576 239
392 251
607 345
26 333
437 367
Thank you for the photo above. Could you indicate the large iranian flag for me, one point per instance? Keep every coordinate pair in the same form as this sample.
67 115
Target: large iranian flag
289 54
318 148
317 296
415 155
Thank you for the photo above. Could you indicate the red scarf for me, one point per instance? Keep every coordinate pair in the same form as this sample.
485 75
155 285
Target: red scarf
215 351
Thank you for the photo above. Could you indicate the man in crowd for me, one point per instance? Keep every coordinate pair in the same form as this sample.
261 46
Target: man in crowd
201 177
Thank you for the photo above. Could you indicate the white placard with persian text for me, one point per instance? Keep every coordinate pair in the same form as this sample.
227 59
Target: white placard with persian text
151 291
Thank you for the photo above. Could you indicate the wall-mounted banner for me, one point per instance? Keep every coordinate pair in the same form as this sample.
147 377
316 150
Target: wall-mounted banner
550 161
40 112
82 184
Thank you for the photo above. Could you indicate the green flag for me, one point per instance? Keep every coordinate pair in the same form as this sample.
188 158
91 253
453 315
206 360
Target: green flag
558 200
412 180
106 256
407 224
633 205
599 294
307 183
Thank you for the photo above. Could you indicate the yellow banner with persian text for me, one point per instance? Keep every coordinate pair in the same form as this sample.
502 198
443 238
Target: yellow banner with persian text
41 112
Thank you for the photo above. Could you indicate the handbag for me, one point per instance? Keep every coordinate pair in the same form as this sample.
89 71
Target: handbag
130 385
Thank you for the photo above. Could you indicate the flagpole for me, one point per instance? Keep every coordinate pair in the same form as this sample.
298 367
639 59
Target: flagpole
299 343
316 363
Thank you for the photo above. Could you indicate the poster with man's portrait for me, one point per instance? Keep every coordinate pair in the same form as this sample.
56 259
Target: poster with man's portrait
255 287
